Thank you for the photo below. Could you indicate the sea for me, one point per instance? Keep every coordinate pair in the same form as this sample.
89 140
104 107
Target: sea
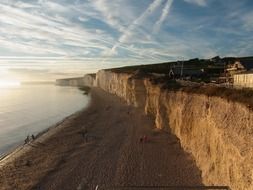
31 109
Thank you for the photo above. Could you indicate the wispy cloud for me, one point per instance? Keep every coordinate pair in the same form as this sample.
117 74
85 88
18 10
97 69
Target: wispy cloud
19 26
202 3
111 13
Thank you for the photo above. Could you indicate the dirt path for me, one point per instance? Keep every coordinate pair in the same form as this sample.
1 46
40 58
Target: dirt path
113 154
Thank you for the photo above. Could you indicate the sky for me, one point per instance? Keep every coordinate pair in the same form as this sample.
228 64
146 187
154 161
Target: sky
45 40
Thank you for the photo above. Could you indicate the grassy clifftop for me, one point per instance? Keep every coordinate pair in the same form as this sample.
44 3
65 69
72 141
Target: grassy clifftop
244 96
212 67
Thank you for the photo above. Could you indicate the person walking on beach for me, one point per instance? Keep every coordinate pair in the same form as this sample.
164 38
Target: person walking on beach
143 139
27 139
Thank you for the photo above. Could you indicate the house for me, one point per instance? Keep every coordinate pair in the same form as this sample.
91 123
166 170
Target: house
239 67
244 79
235 68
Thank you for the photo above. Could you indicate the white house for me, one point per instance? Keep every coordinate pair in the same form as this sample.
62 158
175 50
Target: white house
244 80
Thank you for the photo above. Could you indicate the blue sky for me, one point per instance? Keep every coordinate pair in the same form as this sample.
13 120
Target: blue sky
43 39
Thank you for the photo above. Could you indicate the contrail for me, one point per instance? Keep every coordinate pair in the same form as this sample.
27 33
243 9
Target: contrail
165 12
151 8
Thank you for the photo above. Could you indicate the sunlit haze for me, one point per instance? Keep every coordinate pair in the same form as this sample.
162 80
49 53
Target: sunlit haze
4 83
44 40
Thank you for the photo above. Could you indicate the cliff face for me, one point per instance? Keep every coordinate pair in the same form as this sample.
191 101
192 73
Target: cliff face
86 80
218 133
123 85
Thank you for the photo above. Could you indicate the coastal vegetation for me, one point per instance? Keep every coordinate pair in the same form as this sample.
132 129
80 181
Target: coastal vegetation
243 95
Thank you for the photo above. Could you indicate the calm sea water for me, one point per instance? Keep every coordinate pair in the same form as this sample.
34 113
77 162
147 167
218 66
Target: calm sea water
30 109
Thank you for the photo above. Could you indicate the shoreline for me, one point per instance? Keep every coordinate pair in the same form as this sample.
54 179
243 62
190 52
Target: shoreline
19 146
62 159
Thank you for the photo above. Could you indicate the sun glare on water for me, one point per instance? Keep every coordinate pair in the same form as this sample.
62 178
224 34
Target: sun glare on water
5 83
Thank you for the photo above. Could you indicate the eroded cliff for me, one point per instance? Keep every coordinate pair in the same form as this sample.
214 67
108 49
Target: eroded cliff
86 80
217 132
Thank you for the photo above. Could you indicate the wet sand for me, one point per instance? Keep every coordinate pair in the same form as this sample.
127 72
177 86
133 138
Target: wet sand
113 155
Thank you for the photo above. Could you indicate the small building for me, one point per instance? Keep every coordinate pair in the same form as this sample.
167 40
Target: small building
239 67
244 79
235 68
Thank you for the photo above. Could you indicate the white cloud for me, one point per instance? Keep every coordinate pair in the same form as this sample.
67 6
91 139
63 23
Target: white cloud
53 6
19 26
110 52
202 3
112 13
83 19
23 5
